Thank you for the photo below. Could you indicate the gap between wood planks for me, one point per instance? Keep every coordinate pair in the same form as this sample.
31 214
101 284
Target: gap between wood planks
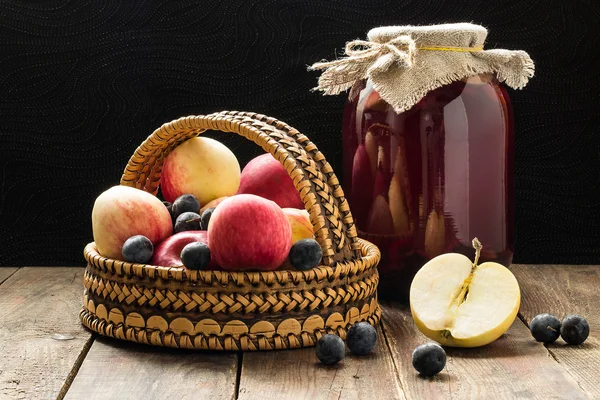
399 337
551 353
388 346
297 374
563 290
7 272
76 366
513 366
35 305
238 375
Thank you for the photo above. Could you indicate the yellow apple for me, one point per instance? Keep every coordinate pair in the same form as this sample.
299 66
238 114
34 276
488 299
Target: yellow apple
302 228
212 204
203 167
458 303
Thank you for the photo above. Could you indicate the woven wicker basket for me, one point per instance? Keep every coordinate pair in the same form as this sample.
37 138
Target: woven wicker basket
217 310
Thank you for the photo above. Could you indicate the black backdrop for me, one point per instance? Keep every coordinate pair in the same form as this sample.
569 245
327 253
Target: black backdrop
83 82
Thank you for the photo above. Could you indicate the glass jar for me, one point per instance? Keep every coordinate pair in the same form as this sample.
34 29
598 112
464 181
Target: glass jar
429 180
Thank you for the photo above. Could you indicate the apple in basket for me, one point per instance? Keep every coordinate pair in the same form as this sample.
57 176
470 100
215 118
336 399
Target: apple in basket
248 232
212 204
264 176
200 166
122 212
300 222
168 252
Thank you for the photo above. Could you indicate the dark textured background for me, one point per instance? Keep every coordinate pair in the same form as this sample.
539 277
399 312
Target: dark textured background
83 82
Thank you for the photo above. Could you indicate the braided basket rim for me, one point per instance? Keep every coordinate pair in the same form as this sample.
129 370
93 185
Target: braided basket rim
369 260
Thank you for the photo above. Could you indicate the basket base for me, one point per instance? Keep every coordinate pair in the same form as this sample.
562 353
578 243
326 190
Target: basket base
228 342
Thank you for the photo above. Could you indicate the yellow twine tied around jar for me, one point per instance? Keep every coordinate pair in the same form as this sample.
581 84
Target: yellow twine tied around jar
364 57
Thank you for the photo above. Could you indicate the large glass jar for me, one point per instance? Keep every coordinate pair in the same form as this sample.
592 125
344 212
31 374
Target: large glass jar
429 180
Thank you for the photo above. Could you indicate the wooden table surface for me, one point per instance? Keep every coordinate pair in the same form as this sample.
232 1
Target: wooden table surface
46 353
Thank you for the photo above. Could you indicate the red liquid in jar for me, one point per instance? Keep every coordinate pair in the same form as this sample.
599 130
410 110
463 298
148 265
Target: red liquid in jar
429 180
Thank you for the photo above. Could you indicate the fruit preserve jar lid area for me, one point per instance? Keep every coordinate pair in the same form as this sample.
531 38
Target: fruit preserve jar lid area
404 63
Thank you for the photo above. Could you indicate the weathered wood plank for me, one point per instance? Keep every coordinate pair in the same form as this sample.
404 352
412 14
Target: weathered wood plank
5 272
513 366
561 290
122 370
35 305
298 374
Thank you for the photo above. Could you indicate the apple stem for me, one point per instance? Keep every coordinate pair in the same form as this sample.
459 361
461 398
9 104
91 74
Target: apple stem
477 246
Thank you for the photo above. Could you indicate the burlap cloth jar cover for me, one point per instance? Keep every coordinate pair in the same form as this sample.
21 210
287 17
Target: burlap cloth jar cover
404 63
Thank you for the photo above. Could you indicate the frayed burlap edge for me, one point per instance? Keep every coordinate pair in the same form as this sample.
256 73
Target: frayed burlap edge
404 63
402 90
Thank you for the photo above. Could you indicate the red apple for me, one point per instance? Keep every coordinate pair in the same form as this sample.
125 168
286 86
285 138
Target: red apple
264 176
168 252
122 212
201 166
248 232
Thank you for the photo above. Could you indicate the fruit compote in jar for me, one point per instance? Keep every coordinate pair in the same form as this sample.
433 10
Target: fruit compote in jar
428 144
428 180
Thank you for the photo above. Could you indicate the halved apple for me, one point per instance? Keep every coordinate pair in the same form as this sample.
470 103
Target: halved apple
458 303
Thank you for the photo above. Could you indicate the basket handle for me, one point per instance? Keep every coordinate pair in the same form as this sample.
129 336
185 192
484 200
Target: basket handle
312 175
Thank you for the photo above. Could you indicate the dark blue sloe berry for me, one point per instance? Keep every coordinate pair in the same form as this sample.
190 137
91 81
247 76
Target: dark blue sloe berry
185 203
429 359
361 338
305 254
195 255
545 328
330 349
188 221
137 249
575 329
205 218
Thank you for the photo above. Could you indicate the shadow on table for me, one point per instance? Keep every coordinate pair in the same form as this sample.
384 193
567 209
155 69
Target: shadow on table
508 345
138 348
